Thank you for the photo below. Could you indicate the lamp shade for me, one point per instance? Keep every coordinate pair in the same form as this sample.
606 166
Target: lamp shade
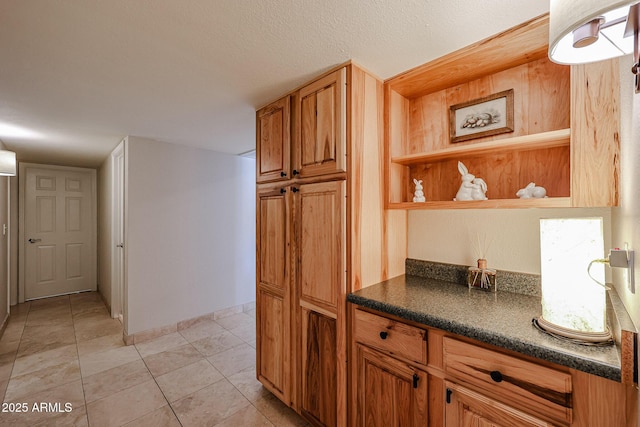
565 16
7 163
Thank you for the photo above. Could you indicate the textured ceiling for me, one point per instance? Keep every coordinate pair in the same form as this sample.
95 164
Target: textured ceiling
76 76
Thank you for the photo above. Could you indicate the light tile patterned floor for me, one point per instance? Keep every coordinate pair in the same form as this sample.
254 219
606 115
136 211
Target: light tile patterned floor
68 351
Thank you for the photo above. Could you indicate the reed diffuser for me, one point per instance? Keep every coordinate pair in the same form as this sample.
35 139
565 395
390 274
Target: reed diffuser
481 277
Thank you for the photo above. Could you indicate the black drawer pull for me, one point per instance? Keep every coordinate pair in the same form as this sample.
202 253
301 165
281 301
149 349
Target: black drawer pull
496 376
283 174
384 335
294 189
415 380
282 191
295 172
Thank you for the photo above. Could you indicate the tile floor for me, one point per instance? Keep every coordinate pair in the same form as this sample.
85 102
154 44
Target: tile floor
68 351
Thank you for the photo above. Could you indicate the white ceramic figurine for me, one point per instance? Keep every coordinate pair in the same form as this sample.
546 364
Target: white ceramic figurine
531 191
418 196
472 188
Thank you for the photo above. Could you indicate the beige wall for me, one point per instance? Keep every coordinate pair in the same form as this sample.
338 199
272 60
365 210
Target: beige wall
626 217
508 238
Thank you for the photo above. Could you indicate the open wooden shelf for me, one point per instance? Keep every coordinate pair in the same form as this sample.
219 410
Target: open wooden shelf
548 202
551 139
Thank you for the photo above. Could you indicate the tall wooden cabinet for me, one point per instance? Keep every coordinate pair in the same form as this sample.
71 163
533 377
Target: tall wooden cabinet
322 232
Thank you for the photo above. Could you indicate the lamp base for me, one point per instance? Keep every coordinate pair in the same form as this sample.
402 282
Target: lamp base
578 337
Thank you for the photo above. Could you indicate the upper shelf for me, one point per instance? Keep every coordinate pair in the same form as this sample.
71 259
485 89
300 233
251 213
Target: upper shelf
516 46
556 138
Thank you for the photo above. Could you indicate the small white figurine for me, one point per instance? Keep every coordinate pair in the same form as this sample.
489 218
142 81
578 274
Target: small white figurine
531 191
418 196
472 188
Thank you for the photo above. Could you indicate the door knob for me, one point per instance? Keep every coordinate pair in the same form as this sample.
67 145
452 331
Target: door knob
121 245
34 240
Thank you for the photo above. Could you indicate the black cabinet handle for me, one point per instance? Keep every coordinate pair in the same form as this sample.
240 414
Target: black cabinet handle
449 393
294 189
496 376
283 174
295 172
416 378
283 190
384 335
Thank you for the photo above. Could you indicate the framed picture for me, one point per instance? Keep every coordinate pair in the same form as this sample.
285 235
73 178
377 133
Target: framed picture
486 116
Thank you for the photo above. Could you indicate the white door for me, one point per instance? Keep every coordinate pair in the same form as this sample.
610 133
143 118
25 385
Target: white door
59 230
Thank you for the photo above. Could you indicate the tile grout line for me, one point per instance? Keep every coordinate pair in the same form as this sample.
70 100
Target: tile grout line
159 388
75 337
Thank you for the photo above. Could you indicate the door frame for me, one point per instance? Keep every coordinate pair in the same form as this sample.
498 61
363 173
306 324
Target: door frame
22 167
118 257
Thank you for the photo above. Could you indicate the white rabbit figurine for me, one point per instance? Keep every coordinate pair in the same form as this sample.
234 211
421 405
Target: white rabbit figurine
472 188
531 191
418 196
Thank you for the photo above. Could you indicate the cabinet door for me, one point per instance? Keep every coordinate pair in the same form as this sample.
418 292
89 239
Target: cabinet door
470 409
273 136
390 393
320 243
273 299
322 126
319 368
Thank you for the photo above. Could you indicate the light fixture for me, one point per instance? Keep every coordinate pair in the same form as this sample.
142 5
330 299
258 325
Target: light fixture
572 273
594 30
7 163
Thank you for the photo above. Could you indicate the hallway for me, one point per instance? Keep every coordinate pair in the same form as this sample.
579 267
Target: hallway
67 353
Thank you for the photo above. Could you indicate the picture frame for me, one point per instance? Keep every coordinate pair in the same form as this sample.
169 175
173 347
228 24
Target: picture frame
490 115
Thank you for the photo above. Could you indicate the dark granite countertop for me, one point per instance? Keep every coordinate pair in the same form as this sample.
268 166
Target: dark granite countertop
502 319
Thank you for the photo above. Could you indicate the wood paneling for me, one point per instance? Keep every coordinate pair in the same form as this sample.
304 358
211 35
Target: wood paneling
319 381
595 124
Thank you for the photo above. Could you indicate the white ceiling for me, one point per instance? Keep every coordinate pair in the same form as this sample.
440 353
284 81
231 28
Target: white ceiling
76 76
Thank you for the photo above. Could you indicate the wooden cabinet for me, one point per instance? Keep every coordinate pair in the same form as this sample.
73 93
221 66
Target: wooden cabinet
273 293
320 248
467 383
388 376
321 146
391 392
564 135
322 232
320 243
273 136
533 388
466 408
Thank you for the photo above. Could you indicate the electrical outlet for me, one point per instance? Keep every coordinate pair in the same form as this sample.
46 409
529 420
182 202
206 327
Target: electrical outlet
624 258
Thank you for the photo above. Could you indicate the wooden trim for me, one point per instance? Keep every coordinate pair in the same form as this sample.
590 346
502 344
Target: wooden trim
551 139
550 202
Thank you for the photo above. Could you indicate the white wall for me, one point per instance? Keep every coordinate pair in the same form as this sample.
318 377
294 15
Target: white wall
190 232
626 217
510 237
104 229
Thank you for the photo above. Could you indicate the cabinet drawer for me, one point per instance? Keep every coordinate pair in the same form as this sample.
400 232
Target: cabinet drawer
524 385
393 337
